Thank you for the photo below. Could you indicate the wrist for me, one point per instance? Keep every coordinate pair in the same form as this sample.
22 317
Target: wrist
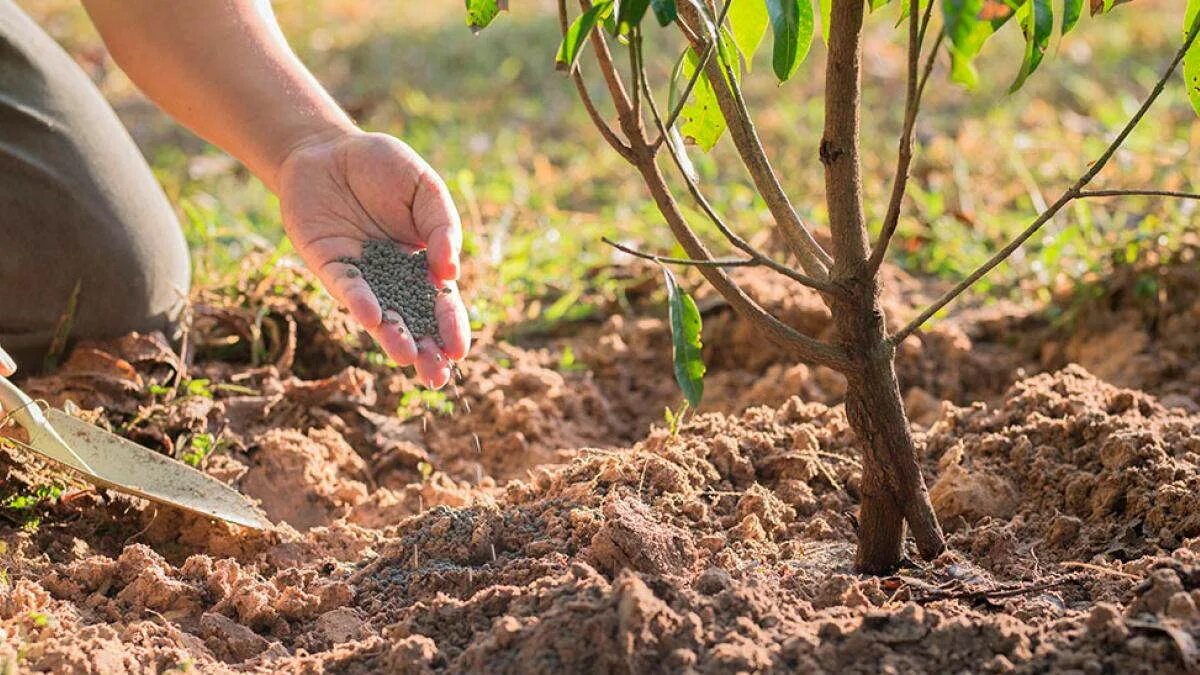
306 141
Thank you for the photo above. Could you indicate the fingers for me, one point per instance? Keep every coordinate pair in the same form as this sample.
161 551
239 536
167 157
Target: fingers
7 365
453 323
437 221
396 339
346 285
442 249
432 365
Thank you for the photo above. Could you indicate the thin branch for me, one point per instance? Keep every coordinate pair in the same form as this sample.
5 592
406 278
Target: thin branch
691 262
1083 194
594 113
1076 191
811 255
616 89
916 88
760 258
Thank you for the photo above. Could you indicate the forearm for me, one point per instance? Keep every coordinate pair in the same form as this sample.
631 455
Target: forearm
223 69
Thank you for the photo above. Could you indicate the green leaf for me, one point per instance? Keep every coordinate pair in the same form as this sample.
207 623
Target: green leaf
630 14
876 4
826 9
1191 60
1072 9
792 23
700 120
967 32
685 337
664 11
480 13
748 23
578 32
1037 20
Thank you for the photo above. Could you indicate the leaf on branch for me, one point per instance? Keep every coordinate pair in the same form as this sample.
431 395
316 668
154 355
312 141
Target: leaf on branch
969 23
665 11
792 23
481 12
876 4
1072 9
685 339
1105 6
700 120
826 9
578 32
1037 21
1191 60
748 22
630 14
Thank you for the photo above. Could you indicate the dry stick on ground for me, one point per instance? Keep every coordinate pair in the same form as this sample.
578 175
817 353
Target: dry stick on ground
1076 191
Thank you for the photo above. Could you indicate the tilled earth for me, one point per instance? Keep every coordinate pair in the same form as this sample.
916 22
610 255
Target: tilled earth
542 518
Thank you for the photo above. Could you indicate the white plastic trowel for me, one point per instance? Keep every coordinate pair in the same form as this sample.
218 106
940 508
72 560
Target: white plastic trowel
109 461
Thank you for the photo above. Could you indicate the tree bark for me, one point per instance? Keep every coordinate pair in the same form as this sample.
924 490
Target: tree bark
893 490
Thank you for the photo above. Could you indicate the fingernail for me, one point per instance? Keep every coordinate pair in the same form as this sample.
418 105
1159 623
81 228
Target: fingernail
6 363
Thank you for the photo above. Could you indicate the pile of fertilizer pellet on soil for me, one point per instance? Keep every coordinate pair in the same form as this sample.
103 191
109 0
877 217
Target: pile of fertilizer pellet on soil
400 281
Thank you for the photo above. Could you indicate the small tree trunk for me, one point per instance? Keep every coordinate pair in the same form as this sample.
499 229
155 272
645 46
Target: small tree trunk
893 490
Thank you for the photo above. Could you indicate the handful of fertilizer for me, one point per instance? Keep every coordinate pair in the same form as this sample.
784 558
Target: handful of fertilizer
400 281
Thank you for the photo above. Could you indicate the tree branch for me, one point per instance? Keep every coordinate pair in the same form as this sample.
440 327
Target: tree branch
813 259
757 256
605 130
690 262
839 150
912 106
1076 191
1084 194
630 124
779 333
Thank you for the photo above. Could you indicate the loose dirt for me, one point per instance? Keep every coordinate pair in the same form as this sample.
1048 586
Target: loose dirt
543 519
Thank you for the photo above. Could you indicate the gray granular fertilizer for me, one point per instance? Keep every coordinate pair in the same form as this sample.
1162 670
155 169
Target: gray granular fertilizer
401 283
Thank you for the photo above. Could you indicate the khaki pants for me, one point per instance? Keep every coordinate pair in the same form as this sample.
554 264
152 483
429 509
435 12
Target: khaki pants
78 206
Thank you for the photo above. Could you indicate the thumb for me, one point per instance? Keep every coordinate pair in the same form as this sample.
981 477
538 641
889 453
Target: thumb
7 365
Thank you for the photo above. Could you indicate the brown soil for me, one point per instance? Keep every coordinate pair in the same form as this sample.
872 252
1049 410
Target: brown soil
551 524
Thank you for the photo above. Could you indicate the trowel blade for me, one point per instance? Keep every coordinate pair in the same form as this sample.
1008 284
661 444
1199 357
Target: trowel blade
122 465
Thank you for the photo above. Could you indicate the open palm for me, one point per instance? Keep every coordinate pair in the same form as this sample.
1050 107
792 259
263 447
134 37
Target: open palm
338 194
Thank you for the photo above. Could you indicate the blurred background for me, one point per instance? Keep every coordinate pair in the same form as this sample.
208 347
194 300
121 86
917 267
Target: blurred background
537 187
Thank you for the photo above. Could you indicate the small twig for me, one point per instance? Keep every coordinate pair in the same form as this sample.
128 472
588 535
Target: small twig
594 113
1085 194
1072 193
1100 569
912 106
994 593
714 262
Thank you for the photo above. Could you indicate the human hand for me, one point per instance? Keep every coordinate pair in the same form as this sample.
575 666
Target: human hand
339 192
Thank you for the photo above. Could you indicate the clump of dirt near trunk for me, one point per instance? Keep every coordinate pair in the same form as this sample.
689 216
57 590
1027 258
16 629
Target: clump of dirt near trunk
724 547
